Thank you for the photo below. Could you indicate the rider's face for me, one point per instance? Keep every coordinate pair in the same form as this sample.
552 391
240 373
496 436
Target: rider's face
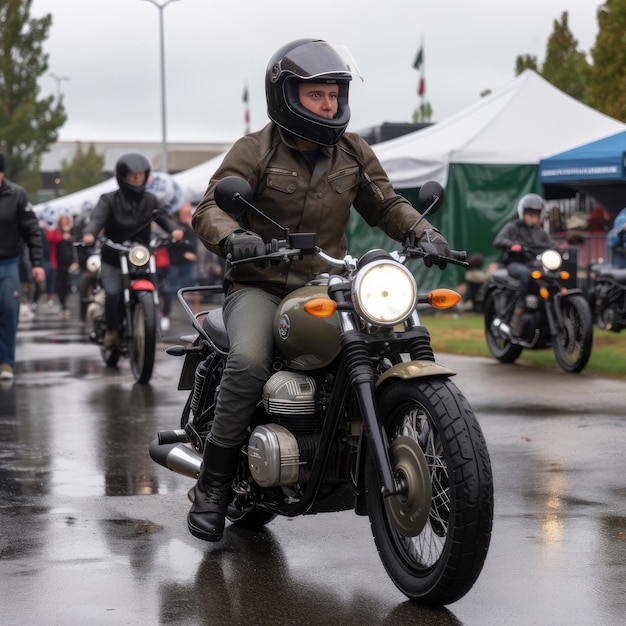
135 178
532 218
319 98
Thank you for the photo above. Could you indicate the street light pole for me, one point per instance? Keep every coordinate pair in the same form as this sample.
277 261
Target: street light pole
58 80
164 163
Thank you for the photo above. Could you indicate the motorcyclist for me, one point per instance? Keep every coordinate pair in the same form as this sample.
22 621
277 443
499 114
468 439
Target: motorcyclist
124 214
306 173
521 240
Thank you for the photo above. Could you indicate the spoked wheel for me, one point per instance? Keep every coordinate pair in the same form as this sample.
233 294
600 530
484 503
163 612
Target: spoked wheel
499 345
572 345
143 342
432 537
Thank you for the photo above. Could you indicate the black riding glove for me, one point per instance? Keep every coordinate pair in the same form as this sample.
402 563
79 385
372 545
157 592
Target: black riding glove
434 243
244 245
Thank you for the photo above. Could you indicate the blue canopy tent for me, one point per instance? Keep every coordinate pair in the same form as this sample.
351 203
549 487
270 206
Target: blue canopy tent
596 169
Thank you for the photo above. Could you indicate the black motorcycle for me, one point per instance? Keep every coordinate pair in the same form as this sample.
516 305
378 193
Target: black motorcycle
358 414
138 320
608 297
556 316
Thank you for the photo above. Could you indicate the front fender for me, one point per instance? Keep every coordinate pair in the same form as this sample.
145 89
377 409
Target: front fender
141 284
415 369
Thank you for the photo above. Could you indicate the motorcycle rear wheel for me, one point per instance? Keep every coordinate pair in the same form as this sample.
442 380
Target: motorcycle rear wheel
501 348
572 345
143 342
442 561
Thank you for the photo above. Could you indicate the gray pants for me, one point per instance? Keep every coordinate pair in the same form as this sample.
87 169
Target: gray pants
248 315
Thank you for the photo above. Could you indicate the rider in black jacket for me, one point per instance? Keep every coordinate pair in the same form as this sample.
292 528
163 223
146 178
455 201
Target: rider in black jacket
521 241
18 224
125 214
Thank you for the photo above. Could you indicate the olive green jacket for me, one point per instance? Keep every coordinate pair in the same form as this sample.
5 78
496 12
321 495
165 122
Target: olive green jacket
302 199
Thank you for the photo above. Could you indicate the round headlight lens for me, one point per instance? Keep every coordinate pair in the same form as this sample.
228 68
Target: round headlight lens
139 255
93 263
384 292
551 260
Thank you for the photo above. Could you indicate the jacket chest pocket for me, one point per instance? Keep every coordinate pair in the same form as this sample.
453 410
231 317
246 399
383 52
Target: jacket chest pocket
344 180
281 180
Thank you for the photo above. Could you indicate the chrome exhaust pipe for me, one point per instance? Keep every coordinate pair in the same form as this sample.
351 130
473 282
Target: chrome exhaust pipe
178 457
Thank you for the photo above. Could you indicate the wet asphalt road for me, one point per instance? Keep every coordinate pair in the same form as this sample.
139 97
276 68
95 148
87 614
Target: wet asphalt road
93 532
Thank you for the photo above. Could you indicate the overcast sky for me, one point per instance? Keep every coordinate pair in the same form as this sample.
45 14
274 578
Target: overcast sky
109 52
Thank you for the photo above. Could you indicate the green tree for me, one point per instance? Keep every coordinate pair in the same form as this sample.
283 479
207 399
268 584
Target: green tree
422 114
607 78
84 170
525 62
565 66
28 125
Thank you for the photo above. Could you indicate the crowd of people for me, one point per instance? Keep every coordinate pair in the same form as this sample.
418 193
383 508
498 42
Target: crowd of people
66 242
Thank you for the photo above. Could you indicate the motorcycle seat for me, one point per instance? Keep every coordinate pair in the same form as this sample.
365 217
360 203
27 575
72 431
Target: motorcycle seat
617 274
501 275
215 328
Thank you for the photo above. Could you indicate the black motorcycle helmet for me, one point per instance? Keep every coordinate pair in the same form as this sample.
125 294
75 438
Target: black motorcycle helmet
132 162
531 202
309 60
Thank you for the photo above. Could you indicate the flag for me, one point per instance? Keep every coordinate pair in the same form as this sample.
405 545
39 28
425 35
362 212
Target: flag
421 87
245 94
419 59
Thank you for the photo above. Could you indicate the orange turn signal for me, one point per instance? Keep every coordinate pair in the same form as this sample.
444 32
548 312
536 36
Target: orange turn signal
321 307
443 298
544 293
564 275
536 274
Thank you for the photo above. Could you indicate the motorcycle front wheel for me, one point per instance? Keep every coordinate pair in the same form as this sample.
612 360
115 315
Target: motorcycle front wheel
572 345
434 549
143 341
499 345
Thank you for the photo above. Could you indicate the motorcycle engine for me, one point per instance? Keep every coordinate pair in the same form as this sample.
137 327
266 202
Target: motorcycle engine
278 453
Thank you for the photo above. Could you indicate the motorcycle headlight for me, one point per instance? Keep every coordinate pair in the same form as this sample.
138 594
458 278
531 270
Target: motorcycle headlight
139 255
384 292
93 263
551 260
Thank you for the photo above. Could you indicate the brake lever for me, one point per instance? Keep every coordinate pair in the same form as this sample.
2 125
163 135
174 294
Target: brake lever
418 252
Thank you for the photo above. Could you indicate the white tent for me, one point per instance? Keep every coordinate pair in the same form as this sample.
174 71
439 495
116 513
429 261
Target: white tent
520 124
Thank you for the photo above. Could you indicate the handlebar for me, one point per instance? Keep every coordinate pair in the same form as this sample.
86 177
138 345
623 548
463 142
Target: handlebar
155 242
280 250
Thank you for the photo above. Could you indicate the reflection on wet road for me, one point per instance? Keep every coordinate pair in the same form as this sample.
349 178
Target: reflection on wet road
92 531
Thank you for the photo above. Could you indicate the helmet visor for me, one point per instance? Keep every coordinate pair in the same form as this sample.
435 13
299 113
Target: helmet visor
317 59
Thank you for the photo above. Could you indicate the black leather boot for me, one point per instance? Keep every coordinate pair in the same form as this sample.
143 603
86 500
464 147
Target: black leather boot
207 516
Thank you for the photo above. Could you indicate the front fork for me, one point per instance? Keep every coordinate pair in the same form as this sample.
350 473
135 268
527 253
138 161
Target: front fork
128 309
362 378
554 310
126 295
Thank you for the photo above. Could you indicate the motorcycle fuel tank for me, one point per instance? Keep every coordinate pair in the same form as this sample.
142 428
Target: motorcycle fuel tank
304 341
